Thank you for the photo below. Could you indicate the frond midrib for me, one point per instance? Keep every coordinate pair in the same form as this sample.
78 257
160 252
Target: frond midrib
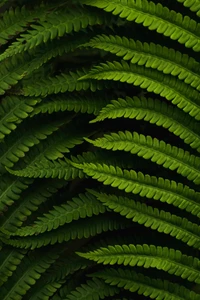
156 150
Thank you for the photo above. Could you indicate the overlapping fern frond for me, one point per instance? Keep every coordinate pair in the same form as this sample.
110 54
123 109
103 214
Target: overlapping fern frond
168 87
56 24
156 112
154 288
168 260
152 56
99 149
168 156
155 17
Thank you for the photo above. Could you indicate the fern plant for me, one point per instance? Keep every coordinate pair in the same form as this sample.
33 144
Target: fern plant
99 149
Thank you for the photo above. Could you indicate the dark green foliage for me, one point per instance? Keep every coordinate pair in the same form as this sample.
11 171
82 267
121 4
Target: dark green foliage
99 149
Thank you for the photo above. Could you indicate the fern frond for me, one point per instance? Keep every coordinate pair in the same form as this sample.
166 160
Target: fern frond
66 266
60 84
66 288
13 110
56 24
148 256
143 285
170 157
49 169
29 203
174 90
9 260
100 157
154 17
156 112
85 104
46 291
16 145
59 143
151 187
92 290
26 275
55 48
152 56
85 205
11 189
60 272
16 20
41 160
83 228
24 64
162 221
52 148
193 5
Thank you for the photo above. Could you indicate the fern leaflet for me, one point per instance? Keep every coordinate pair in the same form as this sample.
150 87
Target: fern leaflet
152 56
143 285
151 187
157 151
156 112
148 256
166 86
155 17
85 205
162 221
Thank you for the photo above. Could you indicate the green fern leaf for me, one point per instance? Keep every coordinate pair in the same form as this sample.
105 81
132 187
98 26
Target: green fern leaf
90 104
59 273
16 20
68 287
83 228
56 24
169 260
16 145
54 48
156 112
49 169
53 147
94 289
11 189
13 110
155 17
26 275
29 203
166 86
85 205
24 64
14 70
152 56
10 259
193 5
47 291
151 187
170 157
143 285
60 84
99 156
66 266
162 221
